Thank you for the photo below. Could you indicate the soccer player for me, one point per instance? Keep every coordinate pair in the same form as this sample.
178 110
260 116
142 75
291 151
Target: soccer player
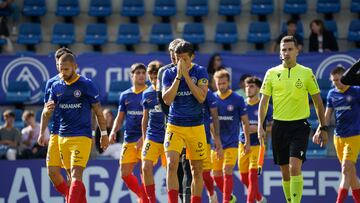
75 96
248 162
153 131
53 161
185 89
352 75
232 110
131 110
344 100
289 85
211 123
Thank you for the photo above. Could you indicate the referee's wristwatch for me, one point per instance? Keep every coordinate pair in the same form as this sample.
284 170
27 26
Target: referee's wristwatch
324 128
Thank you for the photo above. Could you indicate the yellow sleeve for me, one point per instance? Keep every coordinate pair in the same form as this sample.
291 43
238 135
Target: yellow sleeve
312 85
266 87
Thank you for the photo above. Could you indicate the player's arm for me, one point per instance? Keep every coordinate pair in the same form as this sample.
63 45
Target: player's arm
320 136
44 121
328 113
116 126
144 122
263 108
245 124
215 132
104 139
169 93
199 91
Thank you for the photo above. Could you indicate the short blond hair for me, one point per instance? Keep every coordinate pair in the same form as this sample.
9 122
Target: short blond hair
27 114
223 73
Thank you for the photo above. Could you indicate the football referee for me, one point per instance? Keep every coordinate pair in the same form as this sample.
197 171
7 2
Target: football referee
289 85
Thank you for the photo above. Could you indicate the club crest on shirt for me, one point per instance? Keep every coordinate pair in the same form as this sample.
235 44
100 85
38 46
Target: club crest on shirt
256 112
299 84
194 79
77 93
230 107
349 98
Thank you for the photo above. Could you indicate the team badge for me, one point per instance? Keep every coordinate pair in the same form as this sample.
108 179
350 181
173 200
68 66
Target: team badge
256 112
299 84
230 107
348 98
77 93
167 144
194 79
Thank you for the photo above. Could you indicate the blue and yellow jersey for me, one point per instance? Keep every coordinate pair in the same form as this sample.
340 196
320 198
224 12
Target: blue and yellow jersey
185 110
347 107
231 107
209 103
130 104
55 118
159 87
74 102
156 126
252 110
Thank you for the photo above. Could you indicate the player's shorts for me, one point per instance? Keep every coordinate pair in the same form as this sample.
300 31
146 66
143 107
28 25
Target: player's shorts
192 137
230 157
248 161
207 163
289 139
129 153
74 151
53 153
347 148
152 151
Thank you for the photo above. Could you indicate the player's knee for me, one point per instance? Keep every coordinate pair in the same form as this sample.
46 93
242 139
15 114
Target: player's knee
76 173
196 170
125 172
147 167
228 170
53 172
347 168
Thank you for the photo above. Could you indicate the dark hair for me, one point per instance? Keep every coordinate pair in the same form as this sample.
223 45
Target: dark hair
289 38
154 66
291 21
339 69
62 51
253 80
137 66
67 57
319 23
244 76
210 68
9 113
185 47
173 43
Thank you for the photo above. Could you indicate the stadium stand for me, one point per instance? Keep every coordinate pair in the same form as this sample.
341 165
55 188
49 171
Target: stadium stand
63 34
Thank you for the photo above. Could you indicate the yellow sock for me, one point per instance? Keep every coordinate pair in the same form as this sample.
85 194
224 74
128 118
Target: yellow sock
286 188
296 188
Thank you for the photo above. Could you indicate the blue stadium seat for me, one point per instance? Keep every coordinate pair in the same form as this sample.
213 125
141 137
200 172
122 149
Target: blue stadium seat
63 34
161 34
96 34
38 115
5 11
194 33
197 7
226 33
314 150
295 6
229 7
128 34
164 8
328 6
325 86
133 8
116 87
2 41
34 8
29 34
332 27
355 6
19 123
67 8
18 92
354 31
262 7
259 32
299 28
100 8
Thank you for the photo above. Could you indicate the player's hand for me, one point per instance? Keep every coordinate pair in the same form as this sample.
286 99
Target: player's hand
41 140
320 137
185 70
261 133
112 137
139 144
179 70
49 106
104 142
218 149
246 148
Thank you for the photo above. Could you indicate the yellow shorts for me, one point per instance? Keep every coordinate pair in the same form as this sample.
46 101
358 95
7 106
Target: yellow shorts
207 163
230 157
347 148
248 161
74 151
129 153
193 138
152 150
53 153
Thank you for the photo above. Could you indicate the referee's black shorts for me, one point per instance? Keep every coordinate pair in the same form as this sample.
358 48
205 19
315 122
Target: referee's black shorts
289 139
